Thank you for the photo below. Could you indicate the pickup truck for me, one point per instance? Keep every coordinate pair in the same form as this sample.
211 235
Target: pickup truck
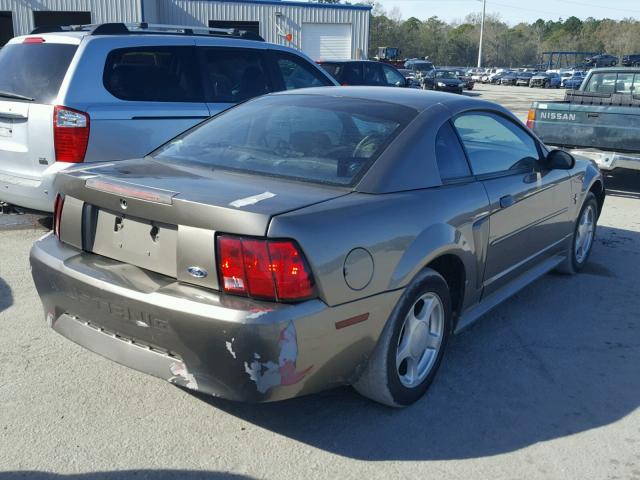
600 120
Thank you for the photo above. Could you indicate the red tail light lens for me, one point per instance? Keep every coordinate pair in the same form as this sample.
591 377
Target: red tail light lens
266 269
57 214
531 117
70 134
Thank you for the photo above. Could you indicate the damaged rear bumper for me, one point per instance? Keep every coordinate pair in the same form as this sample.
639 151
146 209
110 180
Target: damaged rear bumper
227 346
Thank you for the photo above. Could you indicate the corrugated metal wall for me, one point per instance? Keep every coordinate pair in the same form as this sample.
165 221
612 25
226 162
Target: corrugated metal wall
273 27
101 10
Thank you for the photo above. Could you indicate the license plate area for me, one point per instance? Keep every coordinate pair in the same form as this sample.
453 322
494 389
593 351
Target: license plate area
146 244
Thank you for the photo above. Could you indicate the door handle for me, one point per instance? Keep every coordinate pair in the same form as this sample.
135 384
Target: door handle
506 201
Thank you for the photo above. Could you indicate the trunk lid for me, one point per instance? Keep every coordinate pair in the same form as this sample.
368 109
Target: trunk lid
164 218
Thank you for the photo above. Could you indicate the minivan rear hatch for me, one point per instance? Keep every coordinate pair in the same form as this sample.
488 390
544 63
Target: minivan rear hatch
31 73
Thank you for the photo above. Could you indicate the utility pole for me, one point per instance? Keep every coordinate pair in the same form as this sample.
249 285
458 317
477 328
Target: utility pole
484 8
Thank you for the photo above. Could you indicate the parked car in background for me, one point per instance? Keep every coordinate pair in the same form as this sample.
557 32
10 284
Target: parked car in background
413 82
497 76
364 72
508 79
466 79
444 80
600 120
476 74
312 238
632 60
545 80
524 78
574 82
602 60
418 67
111 92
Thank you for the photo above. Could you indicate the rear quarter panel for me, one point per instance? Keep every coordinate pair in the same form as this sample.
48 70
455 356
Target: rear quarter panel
403 232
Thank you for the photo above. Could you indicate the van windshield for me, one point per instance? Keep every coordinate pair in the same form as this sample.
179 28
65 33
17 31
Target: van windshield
34 70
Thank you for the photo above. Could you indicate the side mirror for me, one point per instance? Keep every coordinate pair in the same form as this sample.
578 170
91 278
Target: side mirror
560 160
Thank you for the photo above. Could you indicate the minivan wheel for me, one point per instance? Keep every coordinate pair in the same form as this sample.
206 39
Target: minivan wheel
410 348
583 237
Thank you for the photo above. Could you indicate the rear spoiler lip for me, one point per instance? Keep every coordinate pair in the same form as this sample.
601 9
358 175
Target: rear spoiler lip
131 190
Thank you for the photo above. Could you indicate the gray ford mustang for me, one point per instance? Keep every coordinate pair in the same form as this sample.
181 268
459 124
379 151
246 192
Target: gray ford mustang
310 239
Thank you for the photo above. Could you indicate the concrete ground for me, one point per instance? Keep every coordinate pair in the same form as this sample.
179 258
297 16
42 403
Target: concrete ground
545 386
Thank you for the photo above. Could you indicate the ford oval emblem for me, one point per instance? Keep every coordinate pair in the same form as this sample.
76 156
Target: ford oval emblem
197 272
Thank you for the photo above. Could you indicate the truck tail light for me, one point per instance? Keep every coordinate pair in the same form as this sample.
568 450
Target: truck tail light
267 269
70 134
57 214
531 117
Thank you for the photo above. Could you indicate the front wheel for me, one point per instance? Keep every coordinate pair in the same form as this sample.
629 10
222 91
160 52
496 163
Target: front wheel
583 236
410 348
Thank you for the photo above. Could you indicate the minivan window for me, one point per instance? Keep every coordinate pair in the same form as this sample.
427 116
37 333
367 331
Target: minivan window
232 75
298 73
153 74
34 70
303 137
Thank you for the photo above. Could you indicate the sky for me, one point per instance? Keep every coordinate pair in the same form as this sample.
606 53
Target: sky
515 11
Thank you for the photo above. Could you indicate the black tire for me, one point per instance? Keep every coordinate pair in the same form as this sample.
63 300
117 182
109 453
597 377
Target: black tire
380 380
545 85
572 265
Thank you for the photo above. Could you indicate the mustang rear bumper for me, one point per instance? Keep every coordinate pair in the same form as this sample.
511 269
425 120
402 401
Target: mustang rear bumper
227 346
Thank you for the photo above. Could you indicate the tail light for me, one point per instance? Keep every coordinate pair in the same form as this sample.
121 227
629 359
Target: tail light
267 269
531 117
33 40
57 214
70 134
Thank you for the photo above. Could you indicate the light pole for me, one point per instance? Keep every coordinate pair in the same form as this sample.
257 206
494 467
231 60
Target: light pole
484 8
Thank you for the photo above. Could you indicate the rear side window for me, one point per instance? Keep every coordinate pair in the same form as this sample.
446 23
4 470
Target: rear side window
452 162
373 74
348 73
232 75
296 72
153 74
34 70
614 83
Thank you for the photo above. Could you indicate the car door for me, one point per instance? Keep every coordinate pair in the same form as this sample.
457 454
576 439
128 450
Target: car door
529 203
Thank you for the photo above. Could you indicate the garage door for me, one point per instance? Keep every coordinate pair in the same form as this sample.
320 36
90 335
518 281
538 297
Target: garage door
326 40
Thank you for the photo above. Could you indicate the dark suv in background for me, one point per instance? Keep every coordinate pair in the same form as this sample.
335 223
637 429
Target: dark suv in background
364 72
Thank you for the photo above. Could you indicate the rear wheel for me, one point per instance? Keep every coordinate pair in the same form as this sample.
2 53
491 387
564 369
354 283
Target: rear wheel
410 349
583 236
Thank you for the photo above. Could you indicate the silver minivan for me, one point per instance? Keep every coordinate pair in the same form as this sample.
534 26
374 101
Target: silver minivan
115 91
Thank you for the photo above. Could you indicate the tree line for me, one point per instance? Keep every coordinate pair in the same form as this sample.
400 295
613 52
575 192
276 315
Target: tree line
456 43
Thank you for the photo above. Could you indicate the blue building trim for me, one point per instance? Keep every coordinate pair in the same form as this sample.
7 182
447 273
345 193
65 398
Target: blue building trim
298 4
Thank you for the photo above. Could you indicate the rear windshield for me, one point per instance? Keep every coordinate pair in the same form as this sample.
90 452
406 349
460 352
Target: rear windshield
34 70
304 137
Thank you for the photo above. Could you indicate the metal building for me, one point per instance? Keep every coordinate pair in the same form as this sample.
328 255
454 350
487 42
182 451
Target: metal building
321 30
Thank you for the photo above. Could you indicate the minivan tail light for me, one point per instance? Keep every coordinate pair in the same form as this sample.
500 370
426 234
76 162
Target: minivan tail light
70 134
58 204
267 269
531 117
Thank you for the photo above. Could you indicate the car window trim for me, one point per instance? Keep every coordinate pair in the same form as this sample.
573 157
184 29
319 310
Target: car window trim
456 180
501 173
